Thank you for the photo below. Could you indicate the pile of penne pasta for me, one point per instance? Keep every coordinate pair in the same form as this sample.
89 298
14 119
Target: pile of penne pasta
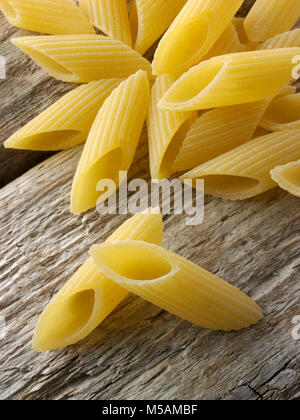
221 105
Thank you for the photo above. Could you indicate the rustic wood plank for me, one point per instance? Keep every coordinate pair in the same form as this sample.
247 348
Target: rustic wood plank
140 351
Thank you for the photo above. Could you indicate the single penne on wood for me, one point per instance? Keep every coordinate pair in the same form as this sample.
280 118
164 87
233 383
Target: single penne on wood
231 79
110 16
194 31
176 285
166 129
55 17
67 122
288 39
244 172
283 114
112 142
83 58
150 19
269 18
217 131
288 177
89 296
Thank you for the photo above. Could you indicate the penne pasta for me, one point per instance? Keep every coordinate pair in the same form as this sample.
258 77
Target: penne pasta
150 19
55 17
89 296
288 39
82 58
231 79
166 129
222 129
269 18
244 172
288 177
196 29
228 42
112 142
217 131
67 122
283 114
111 17
176 285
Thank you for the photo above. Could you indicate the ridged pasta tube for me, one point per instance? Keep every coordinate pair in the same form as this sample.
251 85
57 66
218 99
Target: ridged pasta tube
269 18
83 58
112 142
167 130
217 131
89 296
194 31
150 19
110 16
283 114
176 285
244 172
288 39
231 79
288 177
55 17
67 122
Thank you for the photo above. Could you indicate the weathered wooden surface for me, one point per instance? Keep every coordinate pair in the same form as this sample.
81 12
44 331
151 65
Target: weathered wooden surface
139 351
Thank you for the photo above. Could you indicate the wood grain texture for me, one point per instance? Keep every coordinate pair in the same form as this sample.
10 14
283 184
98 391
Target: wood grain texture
141 351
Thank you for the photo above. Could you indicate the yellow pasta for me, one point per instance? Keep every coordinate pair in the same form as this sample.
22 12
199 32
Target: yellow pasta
288 177
83 58
167 130
110 16
56 17
67 122
194 31
150 19
269 18
176 285
112 142
231 79
89 296
244 172
283 114
288 39
217 131
227 43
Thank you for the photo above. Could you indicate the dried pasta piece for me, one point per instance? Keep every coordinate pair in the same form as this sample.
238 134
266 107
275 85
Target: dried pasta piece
112 142
217 131
176 285
269 18
89 296
111 17
167 130
244 172
67 122
150 19
83 58
231 79
55 17
283 114
288 39
196 29
288 177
